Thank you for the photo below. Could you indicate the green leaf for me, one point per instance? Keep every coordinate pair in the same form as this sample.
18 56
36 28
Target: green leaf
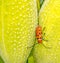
41 2
30 59
1 60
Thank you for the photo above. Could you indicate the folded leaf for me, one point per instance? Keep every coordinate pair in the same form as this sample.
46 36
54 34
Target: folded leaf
50 19
19 20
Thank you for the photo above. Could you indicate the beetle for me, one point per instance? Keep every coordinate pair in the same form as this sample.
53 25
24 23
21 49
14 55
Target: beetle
39 34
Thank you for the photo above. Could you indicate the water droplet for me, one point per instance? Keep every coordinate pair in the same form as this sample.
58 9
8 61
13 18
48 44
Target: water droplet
12 8
17 17
14 49
12 13
19 2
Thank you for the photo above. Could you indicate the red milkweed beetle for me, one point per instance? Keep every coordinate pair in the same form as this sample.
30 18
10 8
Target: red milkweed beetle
39 36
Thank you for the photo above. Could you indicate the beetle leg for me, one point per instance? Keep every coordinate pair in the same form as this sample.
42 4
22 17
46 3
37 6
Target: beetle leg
43 29
44 39
44 34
